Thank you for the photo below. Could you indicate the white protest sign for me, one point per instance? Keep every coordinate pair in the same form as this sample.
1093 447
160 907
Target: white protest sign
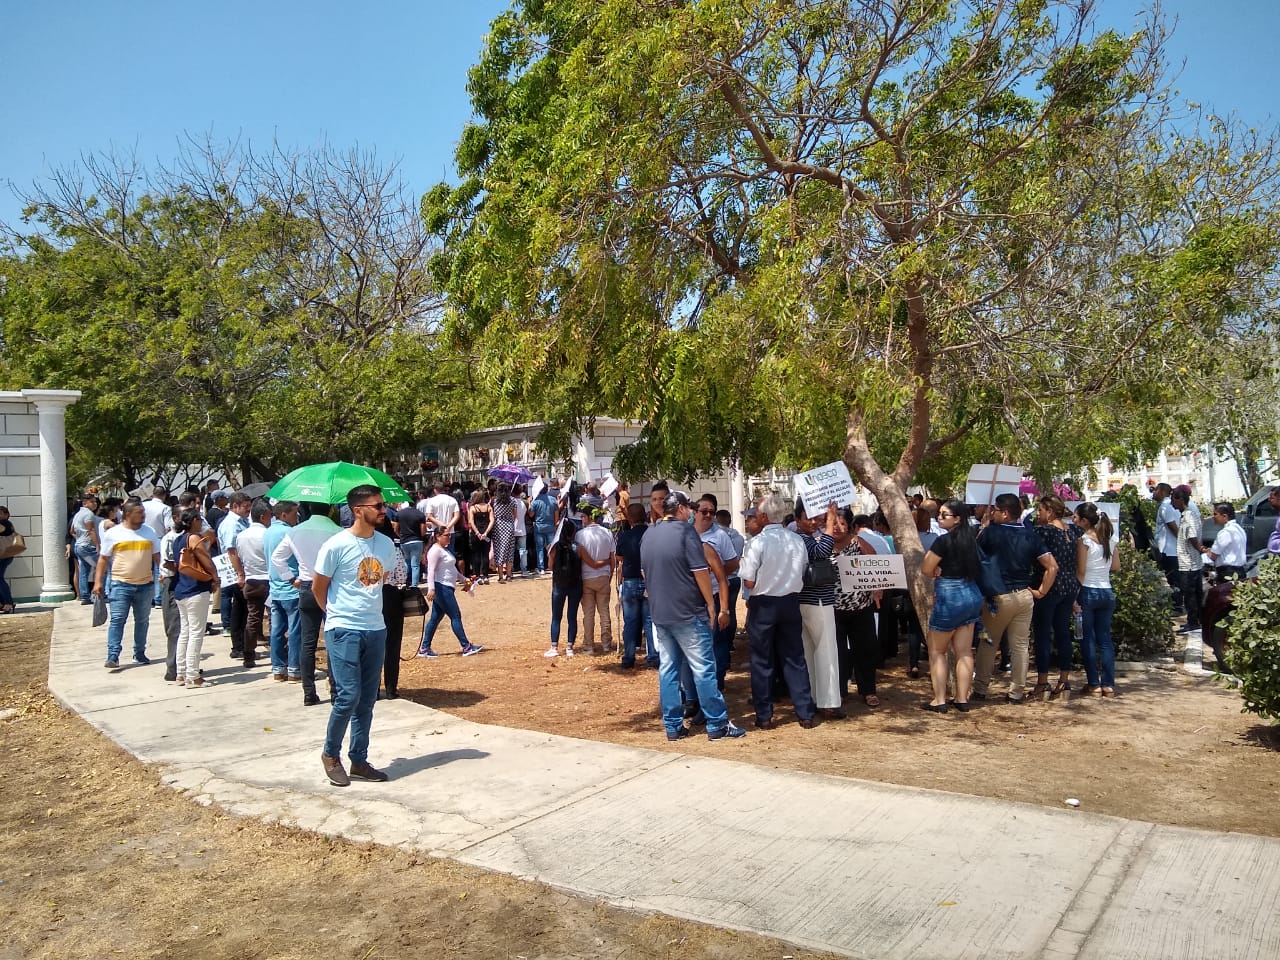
609 486
226 572
821 485
536 488
988 480
883 571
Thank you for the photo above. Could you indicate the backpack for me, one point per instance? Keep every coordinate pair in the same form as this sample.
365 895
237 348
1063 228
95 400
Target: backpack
566 573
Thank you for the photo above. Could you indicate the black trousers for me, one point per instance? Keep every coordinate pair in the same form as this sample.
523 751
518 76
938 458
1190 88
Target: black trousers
239 621
773 631
309 617
858 647
1192 594
1171 575
393 616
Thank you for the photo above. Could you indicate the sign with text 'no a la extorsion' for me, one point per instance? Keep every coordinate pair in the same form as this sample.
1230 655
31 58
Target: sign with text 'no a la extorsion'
883 571
822 485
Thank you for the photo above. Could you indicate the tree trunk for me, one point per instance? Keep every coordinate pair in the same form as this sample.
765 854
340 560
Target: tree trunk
893 502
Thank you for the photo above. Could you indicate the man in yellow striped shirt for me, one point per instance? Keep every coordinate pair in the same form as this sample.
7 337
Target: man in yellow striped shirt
132 550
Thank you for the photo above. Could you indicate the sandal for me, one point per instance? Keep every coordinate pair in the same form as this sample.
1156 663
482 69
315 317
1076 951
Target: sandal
200 682
914 673
1038 691
871 700
1091 691
1061 687
1109 692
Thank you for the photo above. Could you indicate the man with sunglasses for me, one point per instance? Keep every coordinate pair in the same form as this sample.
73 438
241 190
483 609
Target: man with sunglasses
350 570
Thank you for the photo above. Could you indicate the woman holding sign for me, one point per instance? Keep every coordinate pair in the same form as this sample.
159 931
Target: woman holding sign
857 645
957 604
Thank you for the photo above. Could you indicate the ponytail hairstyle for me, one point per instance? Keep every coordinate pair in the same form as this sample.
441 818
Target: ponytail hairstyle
1098 522
185 519
964 539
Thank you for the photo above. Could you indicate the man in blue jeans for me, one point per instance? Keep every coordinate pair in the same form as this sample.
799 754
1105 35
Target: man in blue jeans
350 571
84 528
282 597
635 603
682 608
133 551
543 513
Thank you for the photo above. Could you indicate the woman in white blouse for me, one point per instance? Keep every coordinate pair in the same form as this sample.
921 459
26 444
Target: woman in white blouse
1097 557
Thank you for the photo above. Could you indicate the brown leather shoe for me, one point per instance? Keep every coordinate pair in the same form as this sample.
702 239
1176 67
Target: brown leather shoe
334 770
810 723
362 771
832 713
765 724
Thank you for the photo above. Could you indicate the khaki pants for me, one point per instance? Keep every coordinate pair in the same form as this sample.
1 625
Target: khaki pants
1013 613
595 599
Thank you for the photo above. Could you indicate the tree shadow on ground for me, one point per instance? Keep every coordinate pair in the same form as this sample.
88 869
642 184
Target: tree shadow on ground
1266 735
441 699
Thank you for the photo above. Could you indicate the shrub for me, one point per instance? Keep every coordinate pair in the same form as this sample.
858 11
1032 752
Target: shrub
1142 626
1254 637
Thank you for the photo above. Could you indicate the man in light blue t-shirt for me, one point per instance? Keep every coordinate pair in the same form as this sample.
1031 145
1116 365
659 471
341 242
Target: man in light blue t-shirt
350 570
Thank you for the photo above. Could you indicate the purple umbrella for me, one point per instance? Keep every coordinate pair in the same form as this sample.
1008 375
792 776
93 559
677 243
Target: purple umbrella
511 473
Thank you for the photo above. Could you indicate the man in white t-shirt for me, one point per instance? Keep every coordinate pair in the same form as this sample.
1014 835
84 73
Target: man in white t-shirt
595 548
347 584
441 509
1167 519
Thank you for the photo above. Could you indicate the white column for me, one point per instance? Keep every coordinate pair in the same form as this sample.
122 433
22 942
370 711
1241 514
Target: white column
737 497
52 405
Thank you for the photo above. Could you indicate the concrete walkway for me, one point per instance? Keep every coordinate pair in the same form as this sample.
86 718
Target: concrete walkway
852 867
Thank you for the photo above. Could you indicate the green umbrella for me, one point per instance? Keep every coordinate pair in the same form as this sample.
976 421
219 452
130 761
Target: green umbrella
330 482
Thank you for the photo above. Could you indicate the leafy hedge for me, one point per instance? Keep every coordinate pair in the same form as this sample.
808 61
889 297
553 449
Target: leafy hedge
1142 626
1254 640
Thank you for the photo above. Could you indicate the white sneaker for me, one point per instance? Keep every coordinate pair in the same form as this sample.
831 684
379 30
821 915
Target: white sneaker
569 652
551 652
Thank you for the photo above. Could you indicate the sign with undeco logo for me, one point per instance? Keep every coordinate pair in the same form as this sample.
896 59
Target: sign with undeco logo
884 571
822 485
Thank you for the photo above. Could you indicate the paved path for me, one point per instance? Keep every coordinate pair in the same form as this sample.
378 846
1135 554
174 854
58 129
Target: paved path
858 868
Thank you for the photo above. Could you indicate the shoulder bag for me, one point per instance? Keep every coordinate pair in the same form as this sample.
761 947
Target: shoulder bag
192 564
12 545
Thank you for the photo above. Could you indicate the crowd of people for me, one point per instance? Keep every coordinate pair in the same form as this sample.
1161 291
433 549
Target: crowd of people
1006 579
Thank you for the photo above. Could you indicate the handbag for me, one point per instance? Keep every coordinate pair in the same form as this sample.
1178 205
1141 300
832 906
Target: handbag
415 603
12 545
190 565
820 574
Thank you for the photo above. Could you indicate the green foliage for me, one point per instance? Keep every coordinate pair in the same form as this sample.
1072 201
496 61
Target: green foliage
1141 626
251 313
1254 640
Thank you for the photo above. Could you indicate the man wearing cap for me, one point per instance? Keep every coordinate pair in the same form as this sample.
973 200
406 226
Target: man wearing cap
773 570
682 609
84 528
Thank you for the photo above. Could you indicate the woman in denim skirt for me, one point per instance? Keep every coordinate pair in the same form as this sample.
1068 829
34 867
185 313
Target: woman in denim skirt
957 604
1097 557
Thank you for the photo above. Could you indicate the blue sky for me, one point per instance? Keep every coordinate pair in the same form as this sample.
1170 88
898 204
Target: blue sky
87 75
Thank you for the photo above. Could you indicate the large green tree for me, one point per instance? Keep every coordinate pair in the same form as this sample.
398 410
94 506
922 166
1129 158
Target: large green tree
243 312
867 229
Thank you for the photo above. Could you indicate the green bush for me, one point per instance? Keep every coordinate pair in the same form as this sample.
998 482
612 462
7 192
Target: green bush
1254 639
1142 626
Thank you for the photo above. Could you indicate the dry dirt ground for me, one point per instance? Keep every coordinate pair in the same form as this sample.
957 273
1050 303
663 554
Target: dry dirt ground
1168 749
98 860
